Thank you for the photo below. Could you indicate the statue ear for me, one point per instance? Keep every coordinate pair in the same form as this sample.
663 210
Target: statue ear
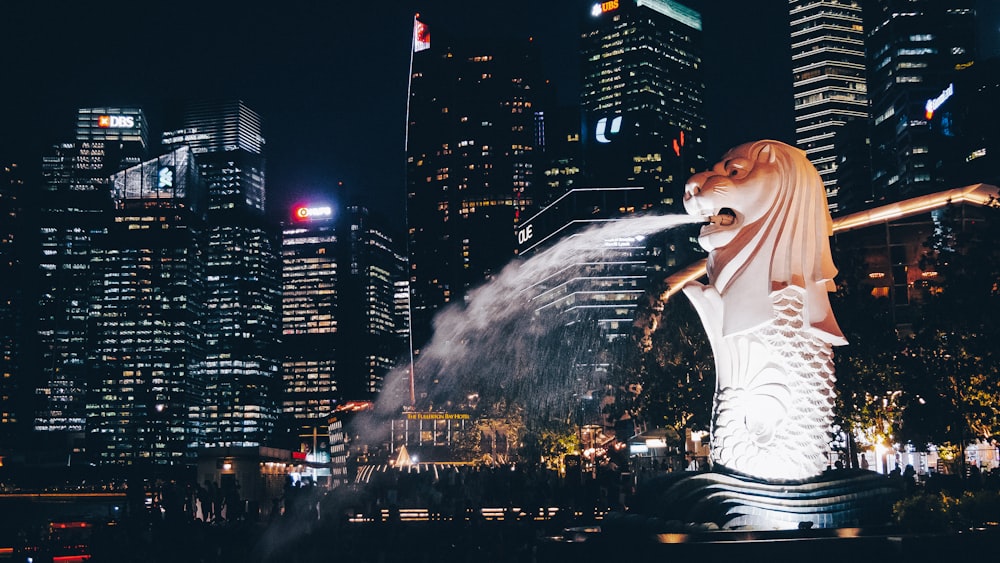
766 154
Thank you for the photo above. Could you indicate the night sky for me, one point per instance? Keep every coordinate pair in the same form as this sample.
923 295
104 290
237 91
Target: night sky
329 77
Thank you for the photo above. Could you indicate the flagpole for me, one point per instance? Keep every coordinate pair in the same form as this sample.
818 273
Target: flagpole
406 150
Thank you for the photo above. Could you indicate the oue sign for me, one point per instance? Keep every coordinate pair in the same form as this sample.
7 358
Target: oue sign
115 121
525 234
304 213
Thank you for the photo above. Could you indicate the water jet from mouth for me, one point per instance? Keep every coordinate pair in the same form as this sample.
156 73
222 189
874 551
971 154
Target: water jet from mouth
513 339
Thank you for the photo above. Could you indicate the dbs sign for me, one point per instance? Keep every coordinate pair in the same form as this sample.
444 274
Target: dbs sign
116 121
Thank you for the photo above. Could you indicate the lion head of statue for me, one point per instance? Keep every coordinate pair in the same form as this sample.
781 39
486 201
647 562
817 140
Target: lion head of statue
767 226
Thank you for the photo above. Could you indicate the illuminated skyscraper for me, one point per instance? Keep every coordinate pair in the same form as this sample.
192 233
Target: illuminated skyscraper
914 49
242 273
145 389
226 137
14 387
373 264
828 66
470 154
603 290
559 147
339 330
643 98
74 207
309 277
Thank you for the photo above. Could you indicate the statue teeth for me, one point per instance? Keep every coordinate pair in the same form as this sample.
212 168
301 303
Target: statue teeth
722 219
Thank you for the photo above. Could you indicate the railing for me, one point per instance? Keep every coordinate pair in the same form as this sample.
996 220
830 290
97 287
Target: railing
487 513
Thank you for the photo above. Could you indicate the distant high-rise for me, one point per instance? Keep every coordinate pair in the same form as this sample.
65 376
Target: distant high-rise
643 98
226 137
145 390
339 329
242 273
603 290
470 163
74 207
828 69
14 385
914 49
309 312
373 263
560 153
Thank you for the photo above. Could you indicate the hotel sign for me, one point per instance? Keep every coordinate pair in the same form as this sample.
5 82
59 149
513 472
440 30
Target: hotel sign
436 416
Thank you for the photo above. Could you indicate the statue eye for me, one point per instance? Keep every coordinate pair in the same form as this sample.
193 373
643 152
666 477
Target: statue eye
737 168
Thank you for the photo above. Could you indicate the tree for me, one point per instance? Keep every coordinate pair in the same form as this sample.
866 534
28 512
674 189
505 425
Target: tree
548 444
951 365
670 381
868 377
494 434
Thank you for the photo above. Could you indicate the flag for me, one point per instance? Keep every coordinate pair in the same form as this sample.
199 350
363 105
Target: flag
421 36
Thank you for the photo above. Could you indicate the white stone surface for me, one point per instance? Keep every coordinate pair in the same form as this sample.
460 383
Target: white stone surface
766 309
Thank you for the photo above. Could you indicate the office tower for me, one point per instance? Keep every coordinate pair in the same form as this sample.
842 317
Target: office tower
309 275
14 387
643 98
226 137
603 289
469 158
559 152
964 126
914 48
401 304
828 79
852 147
242 272
145 389
339 323
74 206
373 262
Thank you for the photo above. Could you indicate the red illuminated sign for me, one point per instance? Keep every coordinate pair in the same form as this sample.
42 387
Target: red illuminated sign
298 455
604 7
932 105
306 213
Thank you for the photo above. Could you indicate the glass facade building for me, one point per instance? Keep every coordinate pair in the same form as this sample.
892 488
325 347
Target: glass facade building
605 290
469 165
242 272
74 205
373 264
309 313
14 387
145 392
339 320
642 96
830 89
914 49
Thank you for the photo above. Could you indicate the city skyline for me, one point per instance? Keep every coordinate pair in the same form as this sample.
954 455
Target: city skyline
329 82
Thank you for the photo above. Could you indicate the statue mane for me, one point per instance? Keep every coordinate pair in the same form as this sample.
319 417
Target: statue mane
789 229
779 244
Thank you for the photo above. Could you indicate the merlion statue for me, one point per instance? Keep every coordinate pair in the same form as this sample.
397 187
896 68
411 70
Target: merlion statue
766 310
